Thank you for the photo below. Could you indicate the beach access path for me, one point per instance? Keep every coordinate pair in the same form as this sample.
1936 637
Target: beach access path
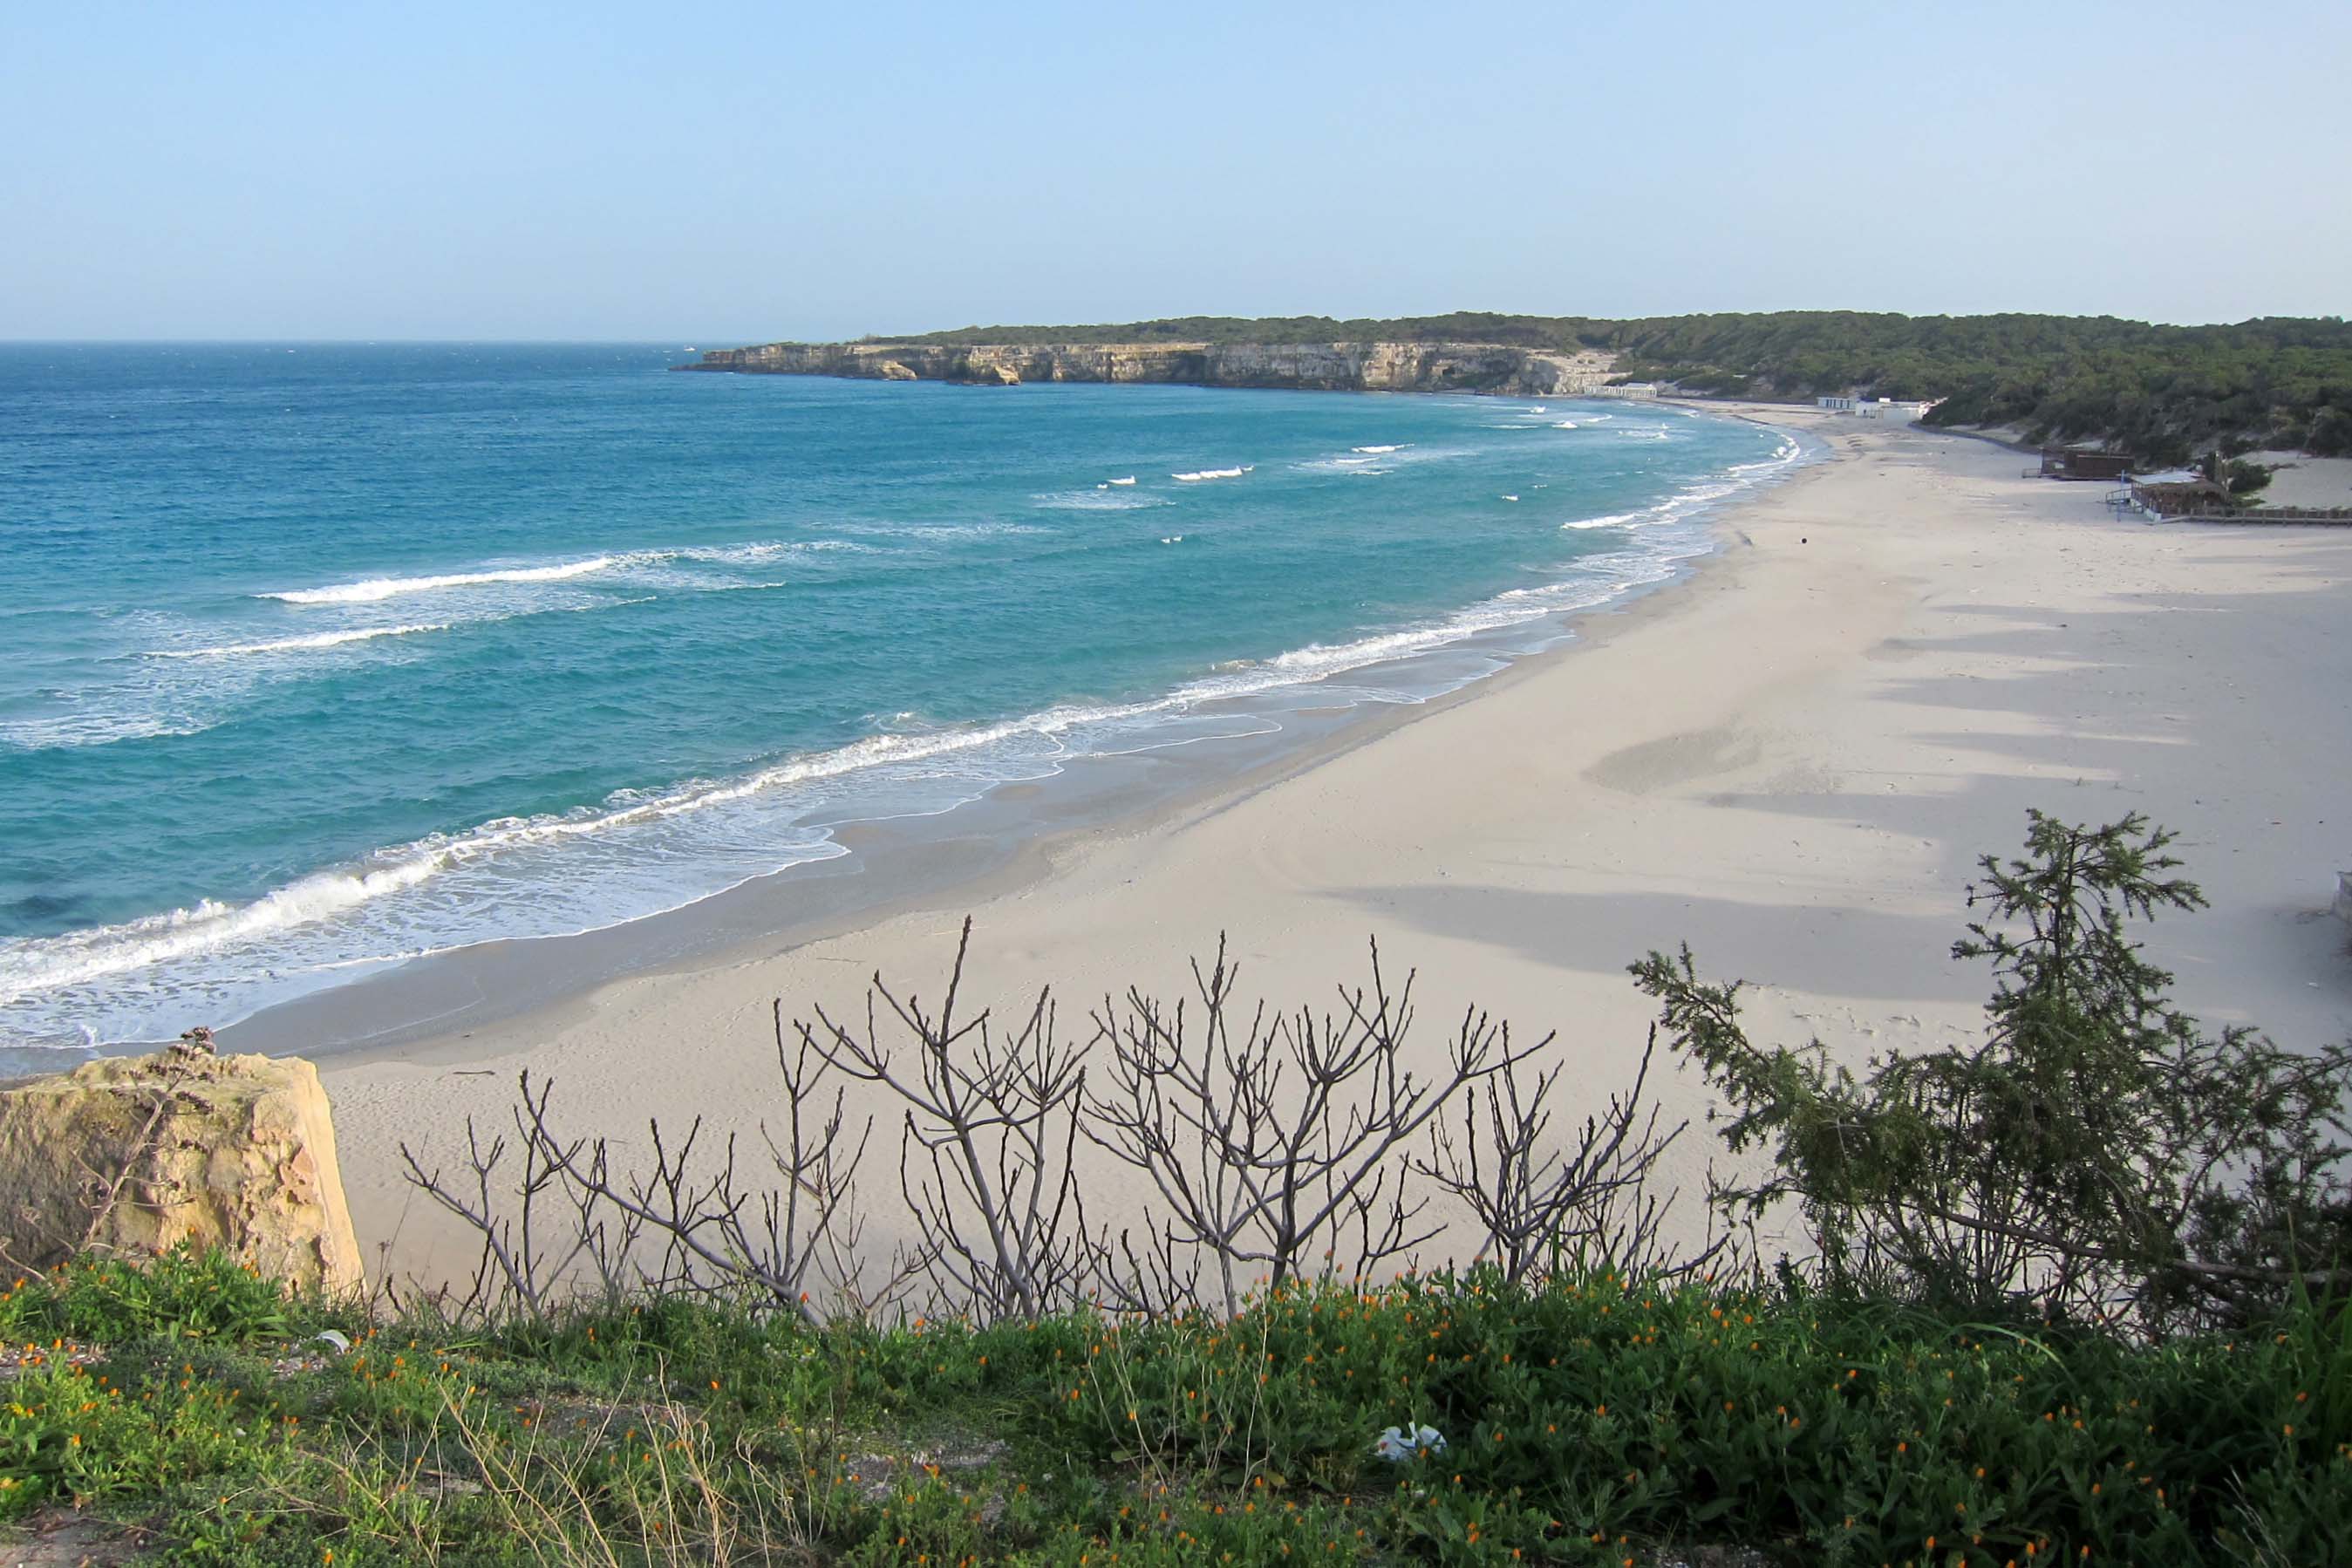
1790 759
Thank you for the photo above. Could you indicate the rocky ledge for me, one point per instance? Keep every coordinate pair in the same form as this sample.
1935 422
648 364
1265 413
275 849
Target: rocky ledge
1317 368
131 1156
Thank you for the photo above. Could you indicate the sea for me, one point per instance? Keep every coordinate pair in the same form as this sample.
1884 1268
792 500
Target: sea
315 658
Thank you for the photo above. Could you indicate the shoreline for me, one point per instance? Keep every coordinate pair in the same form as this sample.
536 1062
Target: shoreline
385 982
1790 759
1008 836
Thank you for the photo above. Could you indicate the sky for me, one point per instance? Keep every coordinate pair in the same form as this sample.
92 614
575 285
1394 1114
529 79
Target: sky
718 173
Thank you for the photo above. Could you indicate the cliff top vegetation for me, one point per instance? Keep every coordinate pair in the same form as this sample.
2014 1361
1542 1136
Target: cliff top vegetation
2163 392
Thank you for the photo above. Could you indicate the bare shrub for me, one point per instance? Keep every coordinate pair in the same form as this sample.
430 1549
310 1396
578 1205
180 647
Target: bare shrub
1278 1147
1271 1141
569 1224
990 1123
1548 1205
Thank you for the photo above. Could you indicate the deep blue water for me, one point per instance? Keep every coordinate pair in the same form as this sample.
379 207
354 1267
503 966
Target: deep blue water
314 658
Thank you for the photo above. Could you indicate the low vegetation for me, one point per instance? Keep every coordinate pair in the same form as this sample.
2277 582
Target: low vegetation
2076 1294
1582 1421
2164 394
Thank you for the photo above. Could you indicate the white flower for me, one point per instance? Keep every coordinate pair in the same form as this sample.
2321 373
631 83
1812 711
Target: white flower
1399 1444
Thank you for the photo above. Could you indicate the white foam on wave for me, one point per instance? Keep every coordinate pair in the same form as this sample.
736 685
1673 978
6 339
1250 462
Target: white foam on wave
1782 455
1566 424
180 692
1691 499
77 957
1128 480
1377 451
376 589
72 731
947 532
1197 475
730 554
302 644
1100 498
1367 466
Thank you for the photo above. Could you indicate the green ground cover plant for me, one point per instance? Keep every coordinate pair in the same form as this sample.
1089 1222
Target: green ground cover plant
1584 1421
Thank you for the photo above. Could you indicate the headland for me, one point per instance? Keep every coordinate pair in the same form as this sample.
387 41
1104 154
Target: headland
1370 366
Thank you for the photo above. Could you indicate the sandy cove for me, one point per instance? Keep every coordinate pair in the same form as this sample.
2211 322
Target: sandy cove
1792 760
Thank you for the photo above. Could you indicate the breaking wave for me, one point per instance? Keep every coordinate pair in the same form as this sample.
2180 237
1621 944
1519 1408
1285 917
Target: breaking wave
1101 498
375 589
300 645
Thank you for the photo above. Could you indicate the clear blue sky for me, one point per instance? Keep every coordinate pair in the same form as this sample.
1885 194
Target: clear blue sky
722 173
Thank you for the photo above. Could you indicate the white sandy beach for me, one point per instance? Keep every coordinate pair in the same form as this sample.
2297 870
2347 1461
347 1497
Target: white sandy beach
1790 761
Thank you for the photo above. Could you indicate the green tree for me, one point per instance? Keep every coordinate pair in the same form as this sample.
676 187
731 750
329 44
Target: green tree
2098 1154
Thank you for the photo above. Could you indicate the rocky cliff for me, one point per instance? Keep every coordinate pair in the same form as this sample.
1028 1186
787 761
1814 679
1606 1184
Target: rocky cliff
1319 367
137 1154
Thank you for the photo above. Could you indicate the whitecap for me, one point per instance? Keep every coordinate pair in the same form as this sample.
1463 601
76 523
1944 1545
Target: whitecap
378 588
1200 474
300 645
1099 499
72 731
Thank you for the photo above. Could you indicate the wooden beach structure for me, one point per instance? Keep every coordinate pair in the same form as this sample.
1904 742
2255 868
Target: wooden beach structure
2074 463
2184 495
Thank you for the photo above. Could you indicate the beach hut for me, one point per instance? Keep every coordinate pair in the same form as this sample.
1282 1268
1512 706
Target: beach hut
2182 492
2074 463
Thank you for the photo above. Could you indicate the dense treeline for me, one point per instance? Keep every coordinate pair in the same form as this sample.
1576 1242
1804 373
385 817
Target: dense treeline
2163 392
1567 332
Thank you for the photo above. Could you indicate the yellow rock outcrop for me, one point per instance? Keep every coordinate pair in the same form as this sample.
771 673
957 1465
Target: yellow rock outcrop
1341 367
133 1155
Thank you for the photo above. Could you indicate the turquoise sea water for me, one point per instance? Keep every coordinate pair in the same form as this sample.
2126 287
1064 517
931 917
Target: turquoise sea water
313 659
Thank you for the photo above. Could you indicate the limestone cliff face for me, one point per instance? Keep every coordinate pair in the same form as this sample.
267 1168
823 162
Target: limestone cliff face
1323 367
137 1154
